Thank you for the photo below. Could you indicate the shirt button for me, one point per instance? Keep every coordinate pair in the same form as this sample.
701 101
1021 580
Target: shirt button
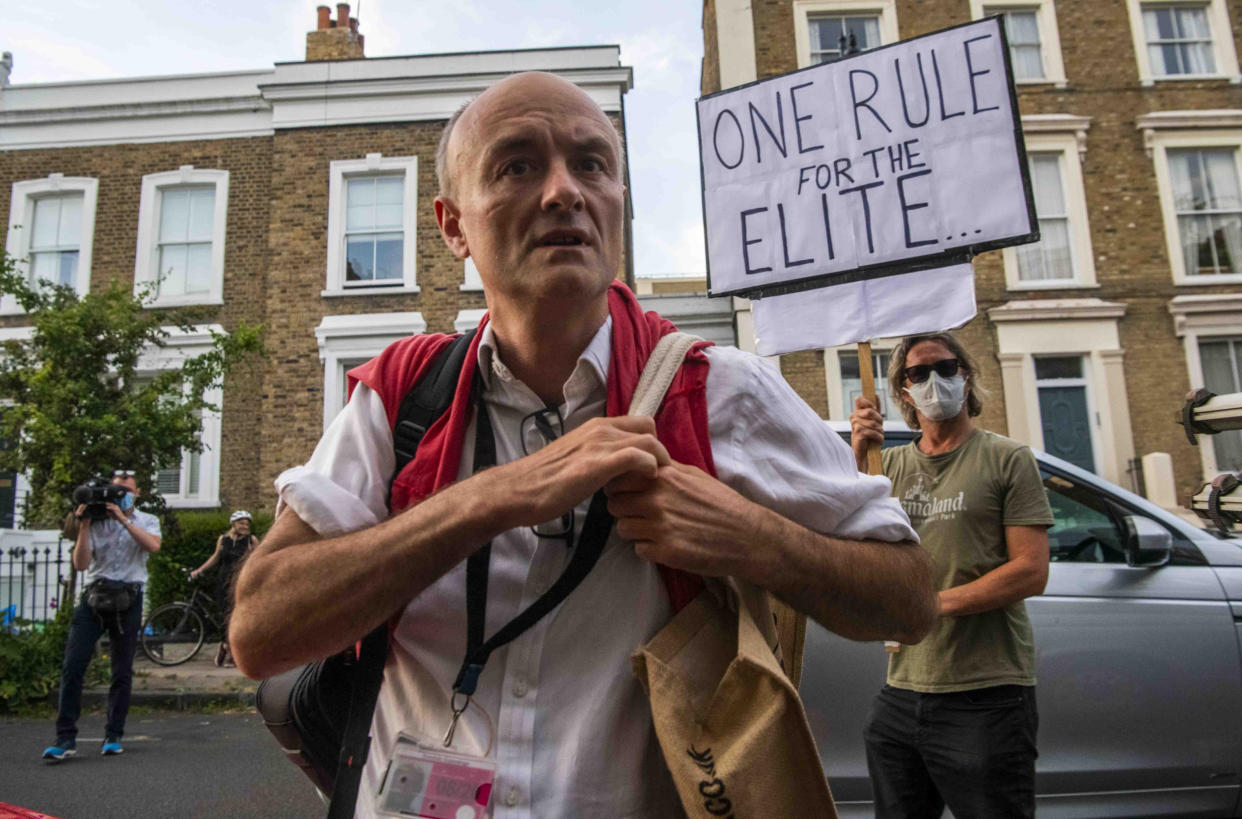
520 688
513 797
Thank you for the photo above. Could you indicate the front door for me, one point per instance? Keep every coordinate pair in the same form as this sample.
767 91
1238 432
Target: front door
1067 431
1063 411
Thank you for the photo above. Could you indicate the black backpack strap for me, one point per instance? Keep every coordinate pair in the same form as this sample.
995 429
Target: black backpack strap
356 741
427 401
422 405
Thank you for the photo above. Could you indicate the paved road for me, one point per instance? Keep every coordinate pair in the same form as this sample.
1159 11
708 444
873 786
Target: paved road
175 765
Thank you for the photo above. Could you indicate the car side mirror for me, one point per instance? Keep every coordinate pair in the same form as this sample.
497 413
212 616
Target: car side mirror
1147 543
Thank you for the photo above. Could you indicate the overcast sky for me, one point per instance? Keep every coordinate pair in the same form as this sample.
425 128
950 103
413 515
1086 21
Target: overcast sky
60 40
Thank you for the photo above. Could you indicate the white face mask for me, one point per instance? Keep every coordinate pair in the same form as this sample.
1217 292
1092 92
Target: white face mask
939 398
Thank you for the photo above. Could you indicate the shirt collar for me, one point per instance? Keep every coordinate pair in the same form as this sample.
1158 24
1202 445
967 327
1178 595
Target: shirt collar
592 366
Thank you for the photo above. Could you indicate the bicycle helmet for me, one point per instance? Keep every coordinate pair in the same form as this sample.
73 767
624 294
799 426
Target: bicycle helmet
238 515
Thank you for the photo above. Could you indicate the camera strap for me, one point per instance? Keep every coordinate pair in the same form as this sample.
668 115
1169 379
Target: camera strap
585 554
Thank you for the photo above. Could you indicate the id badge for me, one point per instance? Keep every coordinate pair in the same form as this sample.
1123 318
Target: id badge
435 783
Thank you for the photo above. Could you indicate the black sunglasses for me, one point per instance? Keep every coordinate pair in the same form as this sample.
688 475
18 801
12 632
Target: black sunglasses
945 368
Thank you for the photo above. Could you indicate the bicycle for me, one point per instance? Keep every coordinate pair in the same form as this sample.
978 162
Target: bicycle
175 632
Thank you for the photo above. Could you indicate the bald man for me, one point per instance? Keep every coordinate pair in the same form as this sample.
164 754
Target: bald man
738 477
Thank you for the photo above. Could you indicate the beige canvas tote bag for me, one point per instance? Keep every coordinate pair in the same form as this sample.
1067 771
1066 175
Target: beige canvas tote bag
730 723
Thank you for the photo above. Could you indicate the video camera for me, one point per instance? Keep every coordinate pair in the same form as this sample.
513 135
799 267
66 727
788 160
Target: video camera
1205 413
95 495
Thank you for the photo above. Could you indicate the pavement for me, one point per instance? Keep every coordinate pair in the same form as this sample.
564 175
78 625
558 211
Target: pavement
189 686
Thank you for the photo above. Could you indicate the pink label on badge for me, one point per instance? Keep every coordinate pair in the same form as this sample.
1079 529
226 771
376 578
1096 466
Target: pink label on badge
456 792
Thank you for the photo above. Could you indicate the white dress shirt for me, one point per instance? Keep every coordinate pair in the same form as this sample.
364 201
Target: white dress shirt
558 708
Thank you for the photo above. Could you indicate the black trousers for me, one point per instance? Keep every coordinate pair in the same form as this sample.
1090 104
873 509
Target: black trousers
84 631
972 750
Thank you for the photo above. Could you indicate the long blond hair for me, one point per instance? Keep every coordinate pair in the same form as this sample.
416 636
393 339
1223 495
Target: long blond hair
897 375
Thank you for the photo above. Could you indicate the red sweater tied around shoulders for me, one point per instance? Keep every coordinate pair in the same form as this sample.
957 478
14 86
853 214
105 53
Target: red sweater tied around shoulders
681 423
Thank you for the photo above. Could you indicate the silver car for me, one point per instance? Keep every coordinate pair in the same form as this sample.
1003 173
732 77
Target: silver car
1138 664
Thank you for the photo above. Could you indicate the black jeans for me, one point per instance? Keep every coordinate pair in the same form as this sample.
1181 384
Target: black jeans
972 750
84 631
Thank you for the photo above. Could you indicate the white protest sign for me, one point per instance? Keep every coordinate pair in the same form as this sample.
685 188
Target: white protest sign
887 307
902 158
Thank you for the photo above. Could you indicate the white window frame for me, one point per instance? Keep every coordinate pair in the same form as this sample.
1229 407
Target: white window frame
1198 318
1070 145
836 384
1223 50
146 257
886 10
21 212
351 337
472 281
468 319
339 173
181 346
1049 34
1159 143
1029 328
22 487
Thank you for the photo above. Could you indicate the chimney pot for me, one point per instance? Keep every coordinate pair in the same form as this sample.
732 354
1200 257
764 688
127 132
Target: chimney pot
342 15
353 24
325 17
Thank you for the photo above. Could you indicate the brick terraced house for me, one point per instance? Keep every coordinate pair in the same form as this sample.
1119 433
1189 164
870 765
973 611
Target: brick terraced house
1132 114
298 196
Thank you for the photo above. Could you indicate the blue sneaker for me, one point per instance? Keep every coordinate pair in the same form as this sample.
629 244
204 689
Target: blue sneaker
63 747
111 747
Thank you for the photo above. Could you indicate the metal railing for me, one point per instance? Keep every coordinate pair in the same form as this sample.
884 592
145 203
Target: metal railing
34 580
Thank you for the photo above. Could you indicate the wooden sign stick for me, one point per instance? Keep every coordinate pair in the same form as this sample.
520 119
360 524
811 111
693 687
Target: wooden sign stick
867 372
874 466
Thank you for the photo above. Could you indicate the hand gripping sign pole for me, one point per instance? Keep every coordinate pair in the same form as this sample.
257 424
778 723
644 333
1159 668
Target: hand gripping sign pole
847 199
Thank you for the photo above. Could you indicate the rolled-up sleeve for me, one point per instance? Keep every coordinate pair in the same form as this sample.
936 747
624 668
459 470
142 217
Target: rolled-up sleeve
772 448
344 485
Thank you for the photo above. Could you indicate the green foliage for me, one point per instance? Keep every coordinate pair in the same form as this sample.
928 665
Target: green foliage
30 659
78 409
189 546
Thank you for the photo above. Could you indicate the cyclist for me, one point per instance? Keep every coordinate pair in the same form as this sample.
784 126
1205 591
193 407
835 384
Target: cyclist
231 548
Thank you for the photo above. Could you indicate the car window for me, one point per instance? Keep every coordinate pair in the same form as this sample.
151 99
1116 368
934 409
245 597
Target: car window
1085 531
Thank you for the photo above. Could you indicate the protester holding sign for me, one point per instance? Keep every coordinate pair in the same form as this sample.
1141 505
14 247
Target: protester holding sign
955 724
532 188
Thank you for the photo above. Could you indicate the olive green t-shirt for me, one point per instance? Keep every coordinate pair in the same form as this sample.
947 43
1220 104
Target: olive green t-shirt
960 503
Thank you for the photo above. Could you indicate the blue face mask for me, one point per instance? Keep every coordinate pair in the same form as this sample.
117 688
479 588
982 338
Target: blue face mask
127 502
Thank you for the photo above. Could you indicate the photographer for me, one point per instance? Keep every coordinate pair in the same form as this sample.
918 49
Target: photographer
114 540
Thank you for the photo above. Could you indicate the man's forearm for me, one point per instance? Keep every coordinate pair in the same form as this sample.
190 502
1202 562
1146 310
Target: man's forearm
300 598
860 589
145 540
82 547
299 604
1006 584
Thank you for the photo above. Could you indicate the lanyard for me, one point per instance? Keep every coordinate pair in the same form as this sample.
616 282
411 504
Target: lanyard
595 531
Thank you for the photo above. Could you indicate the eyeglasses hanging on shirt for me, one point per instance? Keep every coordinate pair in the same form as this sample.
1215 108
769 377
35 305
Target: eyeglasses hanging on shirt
595 531
538 429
